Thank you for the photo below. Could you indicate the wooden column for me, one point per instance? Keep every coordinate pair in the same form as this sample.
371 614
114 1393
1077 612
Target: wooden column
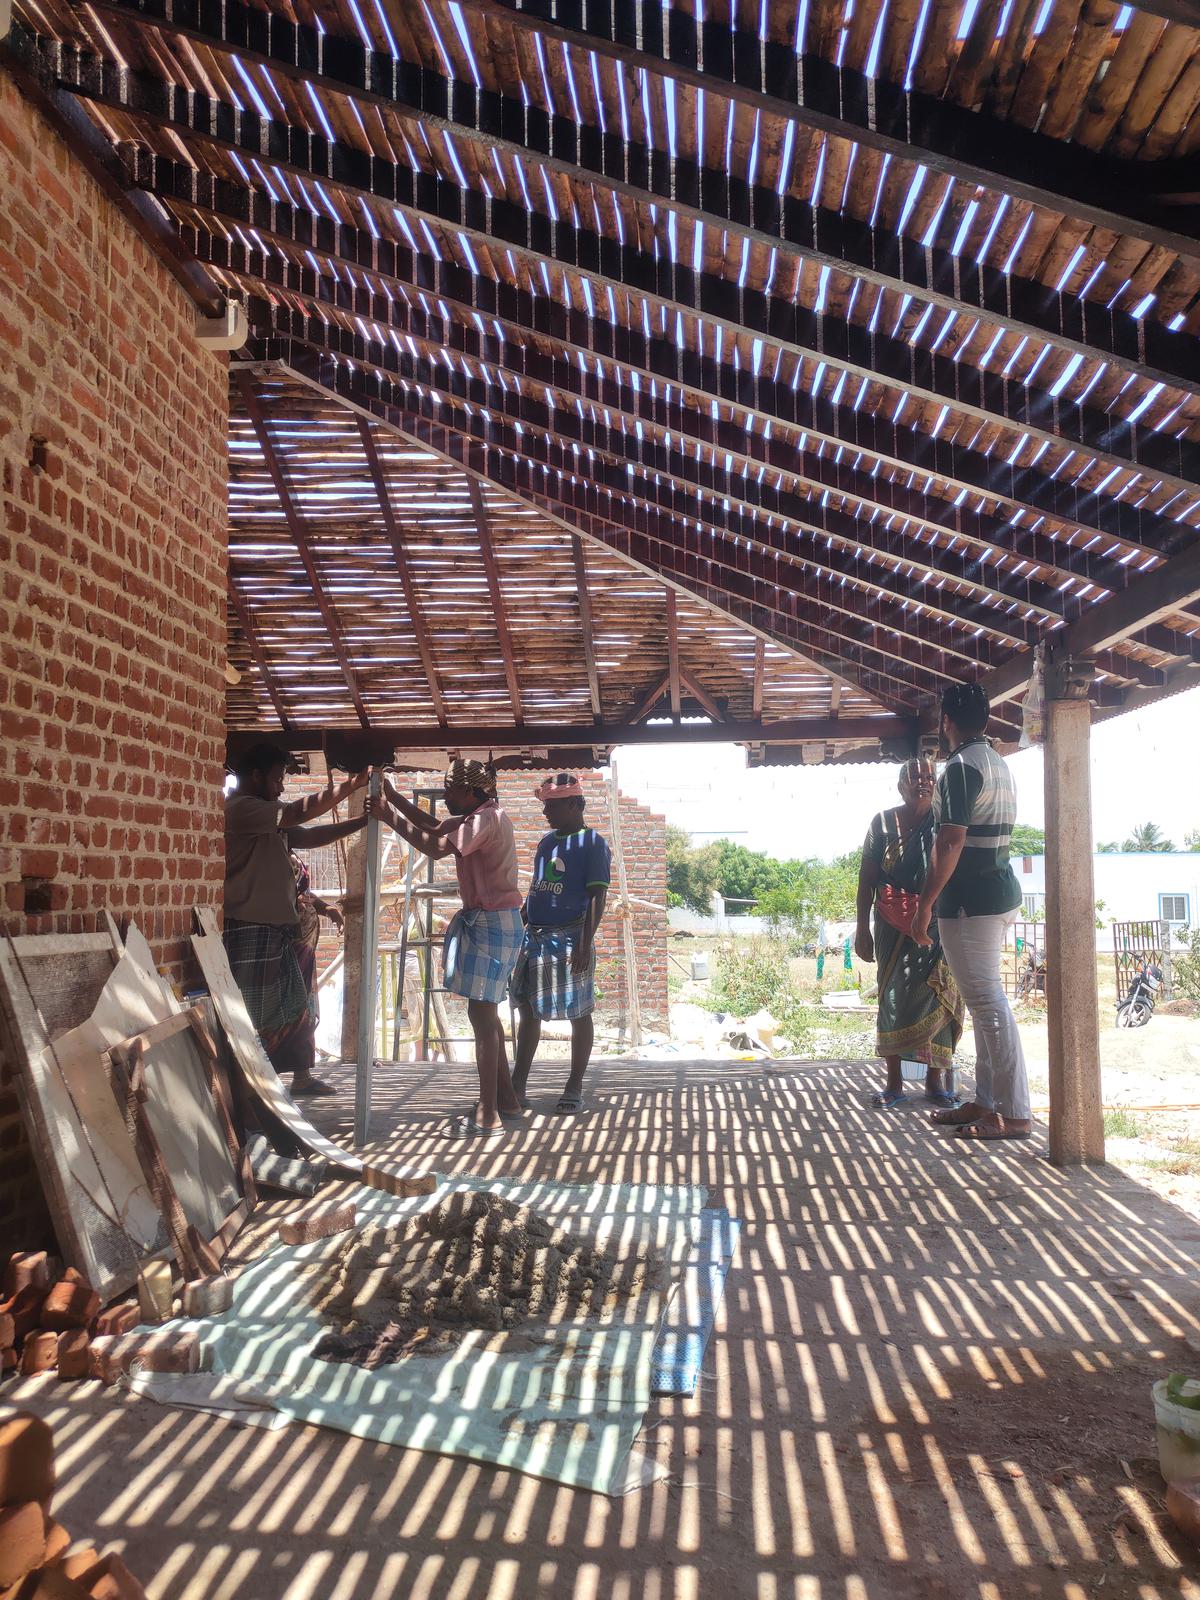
352 934
364 1052
1076 1119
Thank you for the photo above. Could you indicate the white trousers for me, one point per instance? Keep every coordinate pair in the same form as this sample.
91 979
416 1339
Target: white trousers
972 948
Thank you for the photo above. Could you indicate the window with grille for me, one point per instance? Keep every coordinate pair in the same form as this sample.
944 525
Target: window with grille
1173 908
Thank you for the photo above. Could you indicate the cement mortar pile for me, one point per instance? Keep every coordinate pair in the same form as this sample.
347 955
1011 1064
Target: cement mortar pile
474 1261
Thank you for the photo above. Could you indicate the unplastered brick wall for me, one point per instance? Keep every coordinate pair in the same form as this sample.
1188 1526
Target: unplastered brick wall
644 841
112 561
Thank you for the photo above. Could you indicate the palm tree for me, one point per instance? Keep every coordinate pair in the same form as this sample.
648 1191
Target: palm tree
1147 838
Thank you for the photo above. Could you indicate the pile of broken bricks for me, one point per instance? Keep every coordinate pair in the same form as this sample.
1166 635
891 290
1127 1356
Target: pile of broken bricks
34 1559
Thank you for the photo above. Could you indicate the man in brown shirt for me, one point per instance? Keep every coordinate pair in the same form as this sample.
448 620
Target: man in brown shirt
261 918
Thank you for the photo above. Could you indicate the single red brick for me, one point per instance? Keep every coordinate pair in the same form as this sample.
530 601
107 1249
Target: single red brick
58 1541
119 1318
22 1541
81 1561
26 1269
154 1350
70 1305
111 1579
318 1223
72 1356
39 1353
26 1459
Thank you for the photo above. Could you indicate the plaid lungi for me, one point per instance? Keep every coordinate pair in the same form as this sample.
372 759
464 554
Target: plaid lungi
264 963
543 976
478 953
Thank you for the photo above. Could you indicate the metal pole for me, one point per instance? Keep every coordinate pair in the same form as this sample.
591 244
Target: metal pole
365 1059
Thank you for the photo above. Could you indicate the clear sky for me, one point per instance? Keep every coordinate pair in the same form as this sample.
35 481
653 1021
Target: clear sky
1145 768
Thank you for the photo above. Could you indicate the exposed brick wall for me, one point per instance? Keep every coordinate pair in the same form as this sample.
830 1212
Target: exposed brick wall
644 839
112 562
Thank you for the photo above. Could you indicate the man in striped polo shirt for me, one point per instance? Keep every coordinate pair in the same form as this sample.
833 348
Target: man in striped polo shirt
973 892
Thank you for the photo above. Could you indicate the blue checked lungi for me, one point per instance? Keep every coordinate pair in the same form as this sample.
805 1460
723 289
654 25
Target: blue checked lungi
543 977
478 953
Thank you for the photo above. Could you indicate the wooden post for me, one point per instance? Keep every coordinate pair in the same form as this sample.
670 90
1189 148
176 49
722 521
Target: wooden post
1076 1118
364 1071
352 935
624 911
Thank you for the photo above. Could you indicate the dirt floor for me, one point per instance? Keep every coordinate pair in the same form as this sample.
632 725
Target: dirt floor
929 1381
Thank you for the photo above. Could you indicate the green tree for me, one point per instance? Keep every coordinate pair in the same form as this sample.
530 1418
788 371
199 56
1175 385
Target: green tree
1110 848
691 873
1191 840
1148 838
1185 965
1028 840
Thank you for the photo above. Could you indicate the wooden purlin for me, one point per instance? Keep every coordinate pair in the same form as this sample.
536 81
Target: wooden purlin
396 539
295 523
630 393
492 571
859 351
873 255
579 561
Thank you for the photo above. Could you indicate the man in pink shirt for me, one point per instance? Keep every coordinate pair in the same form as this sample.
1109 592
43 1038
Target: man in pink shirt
484 938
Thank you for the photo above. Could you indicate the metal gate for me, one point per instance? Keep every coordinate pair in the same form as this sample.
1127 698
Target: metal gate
1023 961
1138 944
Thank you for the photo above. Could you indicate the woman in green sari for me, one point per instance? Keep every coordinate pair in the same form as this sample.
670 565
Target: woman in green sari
920 1009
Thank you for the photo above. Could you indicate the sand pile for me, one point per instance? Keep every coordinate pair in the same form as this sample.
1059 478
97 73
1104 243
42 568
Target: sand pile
472 1261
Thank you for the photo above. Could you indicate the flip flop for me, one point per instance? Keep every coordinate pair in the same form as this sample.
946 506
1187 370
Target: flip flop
570 1105
505 1116
972 1130
939 1097
311 1087
468 1128
948 1119
887 1098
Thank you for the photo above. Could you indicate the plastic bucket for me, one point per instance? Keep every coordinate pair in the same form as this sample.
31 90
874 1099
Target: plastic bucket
1178 1431
699 966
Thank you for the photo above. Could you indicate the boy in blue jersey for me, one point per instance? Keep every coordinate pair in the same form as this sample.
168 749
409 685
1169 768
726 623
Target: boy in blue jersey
553 978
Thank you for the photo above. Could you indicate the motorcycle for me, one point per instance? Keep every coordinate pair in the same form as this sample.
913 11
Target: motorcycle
1137 1007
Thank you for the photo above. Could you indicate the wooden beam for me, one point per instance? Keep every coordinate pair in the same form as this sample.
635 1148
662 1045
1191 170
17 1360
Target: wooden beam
579 561
492 572
673 674
1147 599
1033 489
644 175
299 532
539 736
858 350
760 661
702 695
399 555
812 92
250 634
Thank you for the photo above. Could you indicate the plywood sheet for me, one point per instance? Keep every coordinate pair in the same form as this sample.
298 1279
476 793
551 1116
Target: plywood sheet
104 1214
182 1114
260 1076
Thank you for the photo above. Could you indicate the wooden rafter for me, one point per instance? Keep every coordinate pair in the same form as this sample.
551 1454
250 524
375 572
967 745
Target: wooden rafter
400 556
673 674
760 661
647 36
299 533
579 562
876 433
698 692
259 655
778 321
896 507
875 669
877 256
648 701
492 572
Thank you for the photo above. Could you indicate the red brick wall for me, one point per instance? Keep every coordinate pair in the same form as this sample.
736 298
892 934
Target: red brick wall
112 562
644 839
